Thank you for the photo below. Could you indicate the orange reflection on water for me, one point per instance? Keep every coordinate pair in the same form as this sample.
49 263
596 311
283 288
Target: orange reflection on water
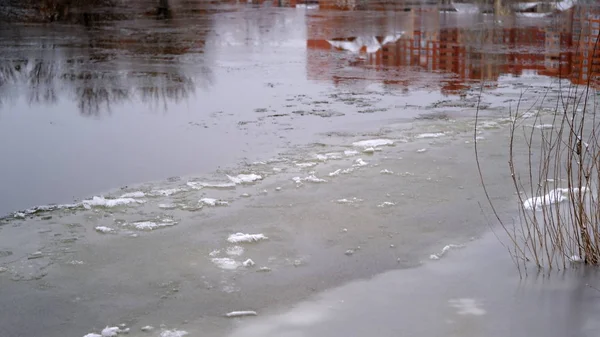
562 46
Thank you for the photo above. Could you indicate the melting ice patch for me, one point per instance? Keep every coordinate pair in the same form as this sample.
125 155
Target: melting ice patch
244 178
226 263
553 197
213 202
444 251
467 306
173 333
311 178
430 135
373 143
241 237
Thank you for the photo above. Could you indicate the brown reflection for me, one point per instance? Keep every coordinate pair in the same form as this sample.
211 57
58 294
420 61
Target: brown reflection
563 45
98 66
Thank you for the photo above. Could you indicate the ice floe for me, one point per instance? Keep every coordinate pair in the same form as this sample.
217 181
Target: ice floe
147 328
151 225
197 185
348 201
110 331
386 171
373 143
421 150
248 263
234 251
241 313
444 251
104 229
369 150
306 165
429 135
213 202
311 178
167 206
173 333
166 193
359 162
386 204
137 194
226 263
553 197
104 202
241 237
244 178
350 153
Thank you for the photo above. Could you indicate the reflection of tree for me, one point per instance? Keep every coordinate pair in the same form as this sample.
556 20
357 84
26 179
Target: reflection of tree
98 68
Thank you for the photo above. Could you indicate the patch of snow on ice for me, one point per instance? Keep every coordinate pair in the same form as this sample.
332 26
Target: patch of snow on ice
241 237
235 251
226 263
305 165
173 333
241 313
150 225
103 202
110 331
245 178
104 230
444 251
359 162
213 202
373 143
137 194
430 135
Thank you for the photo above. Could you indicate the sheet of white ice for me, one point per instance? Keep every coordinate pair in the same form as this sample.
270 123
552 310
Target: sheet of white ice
241 313
213 202
173 333
245 178
553 197
429 135
104 229
151 225
241 237
373 143
226 263
104 202
234 251
311 178
444 251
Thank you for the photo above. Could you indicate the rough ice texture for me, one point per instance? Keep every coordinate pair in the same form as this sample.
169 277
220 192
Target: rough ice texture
444 251
137 194
430 135
305 165
234 251
241 237
110 331
213 202
244 178
241 313
226 263
167 192
311 178
150 225
103 202
248 263
359 162
201 184
373 142
173 333
103 229
553 197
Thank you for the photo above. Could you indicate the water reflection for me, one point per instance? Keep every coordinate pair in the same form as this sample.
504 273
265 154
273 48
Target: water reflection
464 49
102 58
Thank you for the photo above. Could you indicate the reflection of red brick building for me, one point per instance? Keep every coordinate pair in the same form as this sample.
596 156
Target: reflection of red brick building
565 48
